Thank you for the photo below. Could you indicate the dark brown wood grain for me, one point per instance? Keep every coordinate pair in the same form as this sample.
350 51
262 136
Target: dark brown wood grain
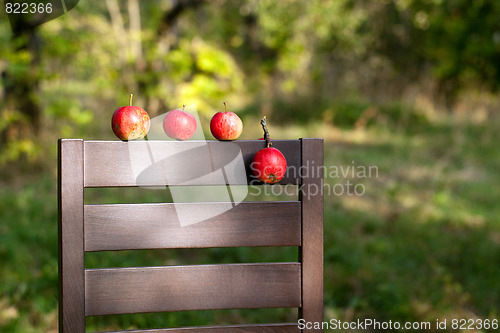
140 226
195 287
154 226
71 255
258 328
158 163
311 251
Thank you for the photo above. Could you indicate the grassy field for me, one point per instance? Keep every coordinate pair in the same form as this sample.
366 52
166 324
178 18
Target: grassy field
418 242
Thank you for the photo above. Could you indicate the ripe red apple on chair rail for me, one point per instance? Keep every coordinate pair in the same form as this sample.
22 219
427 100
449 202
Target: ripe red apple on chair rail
226 126
268 164
179 124
130 122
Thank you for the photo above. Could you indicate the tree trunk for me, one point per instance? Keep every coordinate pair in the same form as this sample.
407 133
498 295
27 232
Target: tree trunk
21 87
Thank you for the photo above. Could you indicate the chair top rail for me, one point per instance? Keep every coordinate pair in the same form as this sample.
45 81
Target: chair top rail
159 163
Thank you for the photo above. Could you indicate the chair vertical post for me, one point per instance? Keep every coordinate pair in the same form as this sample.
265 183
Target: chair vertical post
311 251
71 251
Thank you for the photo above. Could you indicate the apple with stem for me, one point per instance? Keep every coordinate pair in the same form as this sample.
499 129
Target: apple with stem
226 126
179 125
268 164
130 122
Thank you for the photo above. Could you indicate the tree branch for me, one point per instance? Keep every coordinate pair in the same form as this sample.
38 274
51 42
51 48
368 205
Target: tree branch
134 13
172 15
118 27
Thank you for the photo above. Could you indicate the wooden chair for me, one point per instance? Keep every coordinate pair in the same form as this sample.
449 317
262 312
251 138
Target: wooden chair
103 227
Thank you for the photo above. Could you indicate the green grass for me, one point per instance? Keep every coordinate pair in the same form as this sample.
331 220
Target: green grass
28 253
422 243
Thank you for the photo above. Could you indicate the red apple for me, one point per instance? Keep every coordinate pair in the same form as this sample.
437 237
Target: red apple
226 126
268 164
179 125
130 122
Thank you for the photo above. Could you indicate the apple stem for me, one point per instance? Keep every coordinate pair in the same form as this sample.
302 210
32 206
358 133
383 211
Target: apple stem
183 107
225 107
266 132
130 100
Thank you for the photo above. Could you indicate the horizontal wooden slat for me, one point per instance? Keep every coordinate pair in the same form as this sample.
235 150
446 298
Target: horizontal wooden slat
257 328
200 287
157 163
188 225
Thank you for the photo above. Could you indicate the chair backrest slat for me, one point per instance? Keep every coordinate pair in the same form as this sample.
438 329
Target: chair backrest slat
256 328
133 226
194 287
157 226
159 163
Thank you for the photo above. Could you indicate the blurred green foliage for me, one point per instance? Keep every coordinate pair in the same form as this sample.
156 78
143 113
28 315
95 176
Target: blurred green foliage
410 86
258 55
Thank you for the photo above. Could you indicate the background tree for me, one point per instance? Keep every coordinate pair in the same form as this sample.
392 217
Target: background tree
21 112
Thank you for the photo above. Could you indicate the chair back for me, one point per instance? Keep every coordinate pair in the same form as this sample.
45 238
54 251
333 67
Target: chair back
234 223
